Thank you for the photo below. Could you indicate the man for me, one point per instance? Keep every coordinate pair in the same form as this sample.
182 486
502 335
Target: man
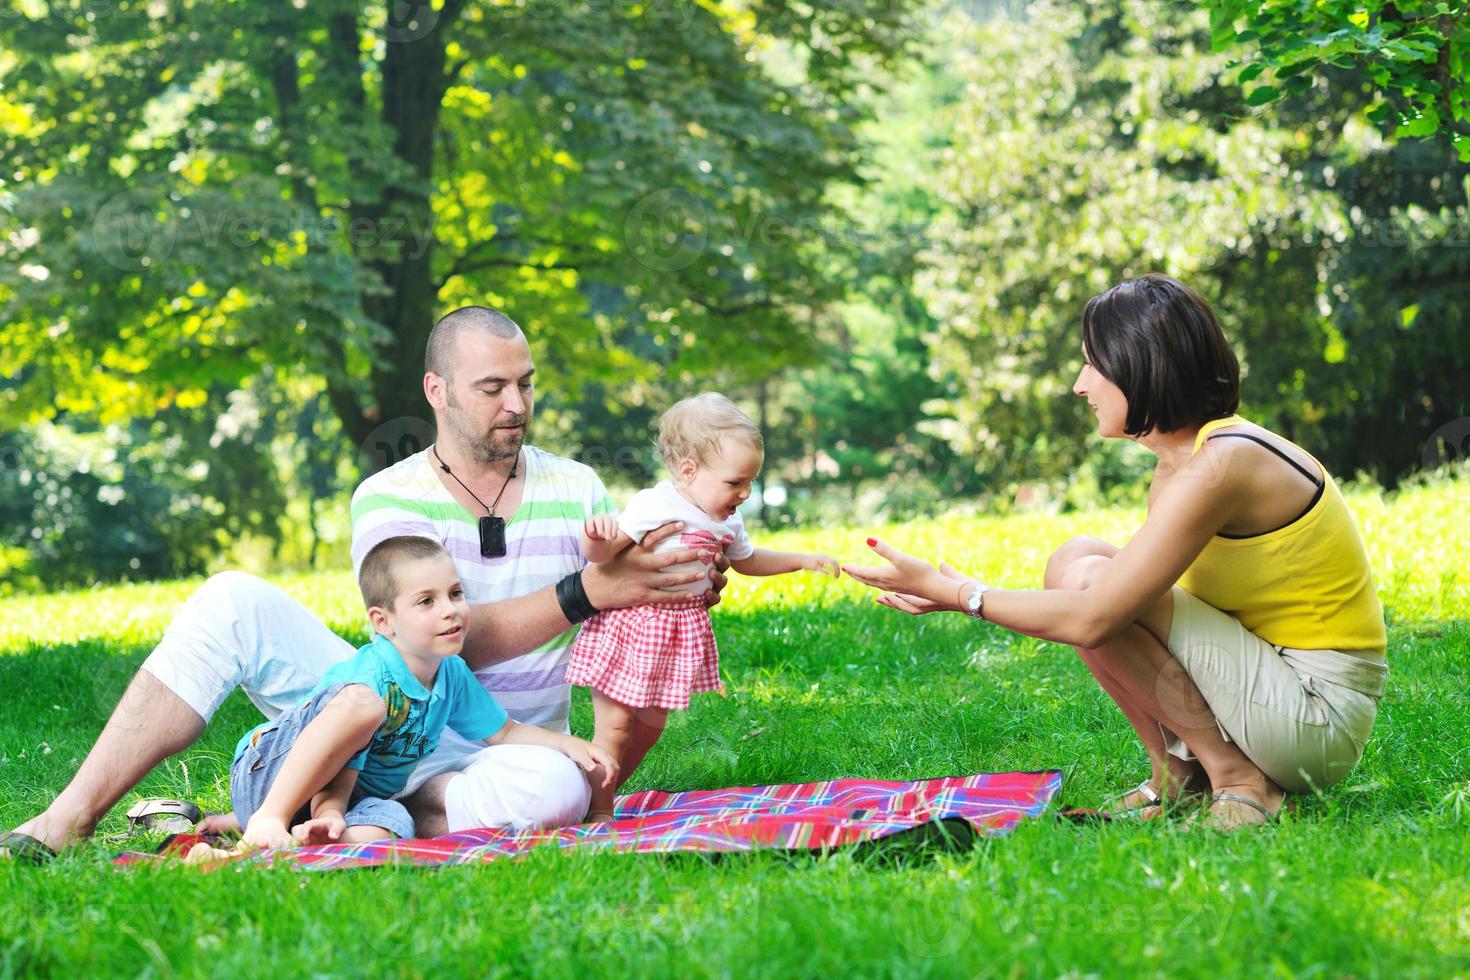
508 513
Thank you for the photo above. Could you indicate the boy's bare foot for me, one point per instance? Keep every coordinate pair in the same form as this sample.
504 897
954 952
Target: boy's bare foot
599 816
202 855
219 824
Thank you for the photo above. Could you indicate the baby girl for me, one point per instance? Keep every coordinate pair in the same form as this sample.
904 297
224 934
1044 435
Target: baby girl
644 661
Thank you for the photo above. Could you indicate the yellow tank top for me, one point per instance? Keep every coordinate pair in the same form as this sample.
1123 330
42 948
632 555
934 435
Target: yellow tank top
1306 586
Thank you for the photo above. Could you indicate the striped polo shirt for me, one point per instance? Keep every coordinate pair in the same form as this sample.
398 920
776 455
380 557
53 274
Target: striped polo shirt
542 547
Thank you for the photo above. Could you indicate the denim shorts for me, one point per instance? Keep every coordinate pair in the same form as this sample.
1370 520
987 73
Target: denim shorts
253 774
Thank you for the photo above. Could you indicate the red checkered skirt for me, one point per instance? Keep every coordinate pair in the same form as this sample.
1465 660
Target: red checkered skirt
651 656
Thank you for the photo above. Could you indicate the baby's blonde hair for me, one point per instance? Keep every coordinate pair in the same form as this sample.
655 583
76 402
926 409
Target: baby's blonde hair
693 428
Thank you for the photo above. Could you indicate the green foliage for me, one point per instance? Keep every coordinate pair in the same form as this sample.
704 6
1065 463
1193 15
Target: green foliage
1103 141
203 198
195 190
873 223
169 495
850 434
846 427
141 500
1414 54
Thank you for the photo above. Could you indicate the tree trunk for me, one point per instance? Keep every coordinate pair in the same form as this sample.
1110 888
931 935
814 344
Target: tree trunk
414 82
393 234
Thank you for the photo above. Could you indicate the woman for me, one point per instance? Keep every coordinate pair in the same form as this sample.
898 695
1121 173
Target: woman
1238 631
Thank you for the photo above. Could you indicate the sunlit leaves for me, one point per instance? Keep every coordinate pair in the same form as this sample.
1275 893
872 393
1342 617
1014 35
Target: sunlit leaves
258 148
1413 52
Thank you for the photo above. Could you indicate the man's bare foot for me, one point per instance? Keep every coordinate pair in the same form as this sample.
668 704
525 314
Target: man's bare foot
47 828
219 825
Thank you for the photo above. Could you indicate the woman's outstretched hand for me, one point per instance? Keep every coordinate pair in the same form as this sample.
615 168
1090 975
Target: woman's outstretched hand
910 584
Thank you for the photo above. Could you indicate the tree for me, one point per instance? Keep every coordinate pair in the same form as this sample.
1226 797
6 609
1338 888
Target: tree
196 189
1415 53
151 498
1105 140
852 430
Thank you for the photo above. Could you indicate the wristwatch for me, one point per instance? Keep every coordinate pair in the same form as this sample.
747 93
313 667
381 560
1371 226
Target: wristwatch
975 604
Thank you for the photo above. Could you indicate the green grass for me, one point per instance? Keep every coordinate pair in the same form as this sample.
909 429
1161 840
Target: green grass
1368 879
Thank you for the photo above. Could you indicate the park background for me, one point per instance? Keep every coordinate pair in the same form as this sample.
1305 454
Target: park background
226 228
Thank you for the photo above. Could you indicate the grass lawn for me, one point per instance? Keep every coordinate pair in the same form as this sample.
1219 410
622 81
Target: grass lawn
1368 879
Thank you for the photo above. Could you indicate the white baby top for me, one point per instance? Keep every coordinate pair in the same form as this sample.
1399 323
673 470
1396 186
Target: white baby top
658 505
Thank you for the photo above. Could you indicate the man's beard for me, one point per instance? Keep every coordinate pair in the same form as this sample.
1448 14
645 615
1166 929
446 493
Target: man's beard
486 446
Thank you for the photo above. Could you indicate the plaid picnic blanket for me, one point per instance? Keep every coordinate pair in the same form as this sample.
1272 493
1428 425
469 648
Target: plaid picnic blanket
796 816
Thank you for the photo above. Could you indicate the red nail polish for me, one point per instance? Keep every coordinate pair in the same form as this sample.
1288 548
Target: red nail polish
872 541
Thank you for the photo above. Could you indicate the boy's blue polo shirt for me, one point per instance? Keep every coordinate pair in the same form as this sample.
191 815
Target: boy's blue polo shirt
416 715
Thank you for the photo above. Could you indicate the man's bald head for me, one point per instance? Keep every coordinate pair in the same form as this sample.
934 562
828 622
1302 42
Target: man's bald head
439 354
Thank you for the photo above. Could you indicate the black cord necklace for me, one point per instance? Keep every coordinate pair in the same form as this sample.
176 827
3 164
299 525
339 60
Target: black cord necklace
492 527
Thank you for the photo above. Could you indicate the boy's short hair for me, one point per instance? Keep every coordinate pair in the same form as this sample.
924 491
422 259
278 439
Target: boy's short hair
693 427
375 577
1159 342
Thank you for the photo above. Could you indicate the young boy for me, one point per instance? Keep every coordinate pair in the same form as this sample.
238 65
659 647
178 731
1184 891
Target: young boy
327 771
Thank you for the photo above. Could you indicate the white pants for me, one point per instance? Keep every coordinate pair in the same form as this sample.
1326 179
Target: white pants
239 631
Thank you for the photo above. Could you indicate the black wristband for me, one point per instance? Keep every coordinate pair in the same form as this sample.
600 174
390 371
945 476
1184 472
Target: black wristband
572 598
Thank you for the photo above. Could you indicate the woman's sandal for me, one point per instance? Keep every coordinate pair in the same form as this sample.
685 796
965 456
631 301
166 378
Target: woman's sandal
1205 819
1154 805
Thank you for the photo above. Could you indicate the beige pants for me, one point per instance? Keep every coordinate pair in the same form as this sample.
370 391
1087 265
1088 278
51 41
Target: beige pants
1302 716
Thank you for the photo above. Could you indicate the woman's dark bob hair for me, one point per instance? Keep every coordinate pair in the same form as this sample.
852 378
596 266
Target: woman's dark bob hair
1159 342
